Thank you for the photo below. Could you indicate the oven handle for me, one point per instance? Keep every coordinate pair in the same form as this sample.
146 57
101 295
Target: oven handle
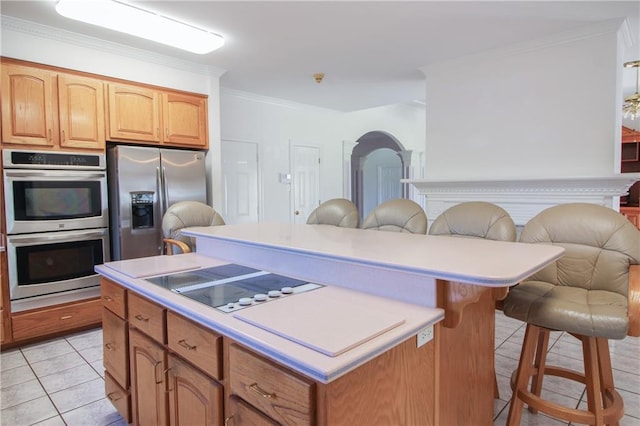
53 174
57 236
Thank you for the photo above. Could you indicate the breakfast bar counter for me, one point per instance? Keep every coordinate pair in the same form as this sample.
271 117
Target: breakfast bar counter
395 329
463 276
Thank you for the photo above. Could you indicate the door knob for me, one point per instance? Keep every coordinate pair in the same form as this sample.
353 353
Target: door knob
296 213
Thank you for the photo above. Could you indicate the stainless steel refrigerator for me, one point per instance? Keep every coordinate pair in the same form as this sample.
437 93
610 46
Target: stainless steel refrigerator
143 182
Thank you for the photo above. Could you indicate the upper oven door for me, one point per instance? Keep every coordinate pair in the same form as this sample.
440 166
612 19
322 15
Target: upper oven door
55 200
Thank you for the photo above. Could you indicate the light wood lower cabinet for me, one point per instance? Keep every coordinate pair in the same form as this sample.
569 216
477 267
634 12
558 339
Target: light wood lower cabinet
197 377
633 214
194 398
118 396
241 413
67 317
284 396
116 348
148 362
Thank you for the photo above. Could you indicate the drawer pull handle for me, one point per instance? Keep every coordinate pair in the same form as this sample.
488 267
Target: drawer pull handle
185 345
110 347
108 298
167 371
111 396
141 318
66 317
226 420
254 387
155 372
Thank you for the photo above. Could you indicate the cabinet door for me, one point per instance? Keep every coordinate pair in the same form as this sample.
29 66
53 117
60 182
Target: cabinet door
194 398
148 390
116 353
81 111
29 115
134 113
185 120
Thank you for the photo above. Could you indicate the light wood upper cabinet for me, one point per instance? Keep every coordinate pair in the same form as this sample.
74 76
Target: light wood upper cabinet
134 113
184 119
48 109
140 114
81 109
29 115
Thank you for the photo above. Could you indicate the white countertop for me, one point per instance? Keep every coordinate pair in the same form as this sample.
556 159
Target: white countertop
396 265
402 320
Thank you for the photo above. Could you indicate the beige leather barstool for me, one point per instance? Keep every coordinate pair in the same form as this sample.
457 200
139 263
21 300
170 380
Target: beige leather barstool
475 219
184 214
398 215
592 292
337 212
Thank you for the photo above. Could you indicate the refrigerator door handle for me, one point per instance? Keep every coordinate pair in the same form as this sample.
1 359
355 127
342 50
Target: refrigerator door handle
165 188
159 191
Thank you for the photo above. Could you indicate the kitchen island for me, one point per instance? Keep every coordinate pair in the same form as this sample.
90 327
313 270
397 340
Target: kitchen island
399 369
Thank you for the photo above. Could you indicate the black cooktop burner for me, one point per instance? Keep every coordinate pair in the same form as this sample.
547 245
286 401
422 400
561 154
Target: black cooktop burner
232 287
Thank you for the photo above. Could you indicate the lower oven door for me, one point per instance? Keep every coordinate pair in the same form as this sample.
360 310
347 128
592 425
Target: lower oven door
54 262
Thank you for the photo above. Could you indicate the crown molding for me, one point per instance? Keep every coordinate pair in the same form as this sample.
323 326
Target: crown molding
9 23
254 97
524 198
611 26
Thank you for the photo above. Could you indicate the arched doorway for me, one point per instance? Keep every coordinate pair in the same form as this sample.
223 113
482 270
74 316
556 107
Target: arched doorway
385 150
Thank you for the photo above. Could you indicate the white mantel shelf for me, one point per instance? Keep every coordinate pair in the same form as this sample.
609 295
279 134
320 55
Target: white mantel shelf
524 198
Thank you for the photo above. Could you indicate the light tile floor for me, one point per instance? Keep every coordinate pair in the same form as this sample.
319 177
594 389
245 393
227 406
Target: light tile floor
60 382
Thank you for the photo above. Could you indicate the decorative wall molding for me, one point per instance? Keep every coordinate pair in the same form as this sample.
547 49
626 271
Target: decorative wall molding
524 198
269 100
611 26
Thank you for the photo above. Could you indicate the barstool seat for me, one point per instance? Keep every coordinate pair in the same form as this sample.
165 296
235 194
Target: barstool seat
592 293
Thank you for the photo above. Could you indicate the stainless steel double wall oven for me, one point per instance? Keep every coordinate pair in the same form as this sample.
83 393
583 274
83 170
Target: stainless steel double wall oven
57 221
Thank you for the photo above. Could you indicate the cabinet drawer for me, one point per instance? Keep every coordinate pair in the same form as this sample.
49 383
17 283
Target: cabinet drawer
147 317
282 395
195 343
115 347
241 413
113 297
42 322
119 397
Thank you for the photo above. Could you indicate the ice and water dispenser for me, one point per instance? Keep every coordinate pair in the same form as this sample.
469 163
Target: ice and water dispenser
142 209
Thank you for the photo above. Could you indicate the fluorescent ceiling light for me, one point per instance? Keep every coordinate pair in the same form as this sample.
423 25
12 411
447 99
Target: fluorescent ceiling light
141 23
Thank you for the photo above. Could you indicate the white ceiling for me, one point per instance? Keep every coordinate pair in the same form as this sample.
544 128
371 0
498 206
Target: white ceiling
370 51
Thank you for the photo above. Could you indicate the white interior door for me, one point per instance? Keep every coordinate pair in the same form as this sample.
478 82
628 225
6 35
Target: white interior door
305 181
240 182
389 186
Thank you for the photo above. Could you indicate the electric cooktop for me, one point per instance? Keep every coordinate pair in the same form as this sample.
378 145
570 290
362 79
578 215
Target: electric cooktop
231 287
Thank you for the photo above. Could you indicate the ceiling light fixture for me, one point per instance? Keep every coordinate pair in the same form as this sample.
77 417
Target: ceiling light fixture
142 23
631 107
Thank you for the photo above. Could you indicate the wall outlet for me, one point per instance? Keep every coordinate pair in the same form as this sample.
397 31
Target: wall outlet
424 335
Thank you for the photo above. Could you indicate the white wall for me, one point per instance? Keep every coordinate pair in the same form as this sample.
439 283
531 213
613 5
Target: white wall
548 108
275 124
